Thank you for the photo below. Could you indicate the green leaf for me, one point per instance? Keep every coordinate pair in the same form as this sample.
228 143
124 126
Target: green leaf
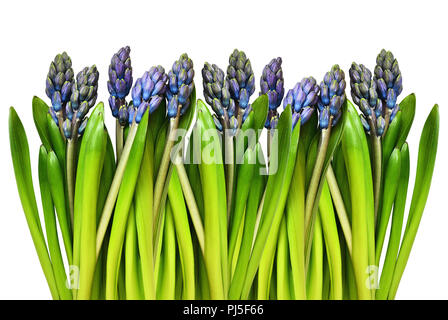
396 227
20 154
407 107
357 163
243 185
425 167
51 228
267 259
390 188
40 111
56 180
124 200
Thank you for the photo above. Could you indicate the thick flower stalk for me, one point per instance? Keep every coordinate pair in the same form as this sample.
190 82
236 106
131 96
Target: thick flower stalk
58 86
302 99
119 85
389 83
217 95
365 95
241 80
179 89
84 93
329 104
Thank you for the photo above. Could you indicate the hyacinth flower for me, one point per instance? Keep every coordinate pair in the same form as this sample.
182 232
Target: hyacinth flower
84 93
147 95
58 87
271 84
119 86
241 81
389 84
329 105
365 95
217 94
179 89
302 99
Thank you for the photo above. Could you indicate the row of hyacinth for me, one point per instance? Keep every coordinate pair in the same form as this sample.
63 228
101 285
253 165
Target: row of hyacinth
228 94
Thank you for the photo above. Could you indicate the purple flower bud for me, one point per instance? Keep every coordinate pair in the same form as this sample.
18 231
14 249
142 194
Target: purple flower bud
67 128
272 97
122 115
83 109
324 94
381 88
310 99
172 107
398 85
380 126
391 99
394 112
113 105
69 111
53 115
56 101
270 79
184 93
250 85
82 127
131 114
141 111
160 87
333 88
364 107
119 69
65 91
364 122
218 124
244 98
234 89
137 93
289 99
147 88
324 119
111 89
295 119
335 105
120 86
379 108
305 115
247 112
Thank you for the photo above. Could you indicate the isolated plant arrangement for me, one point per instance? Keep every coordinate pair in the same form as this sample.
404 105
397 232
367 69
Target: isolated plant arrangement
185 202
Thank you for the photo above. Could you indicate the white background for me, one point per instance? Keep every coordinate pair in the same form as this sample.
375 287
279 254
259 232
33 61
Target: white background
310 36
